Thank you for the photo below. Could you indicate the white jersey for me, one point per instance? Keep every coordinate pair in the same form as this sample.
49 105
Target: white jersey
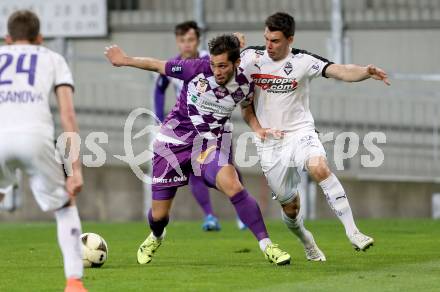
282 87
28 73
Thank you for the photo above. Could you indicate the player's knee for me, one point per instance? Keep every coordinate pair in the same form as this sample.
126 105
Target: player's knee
319 171
283 197
228 182
292 208
233 188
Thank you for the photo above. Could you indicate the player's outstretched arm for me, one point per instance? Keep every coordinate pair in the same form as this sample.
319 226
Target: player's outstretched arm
119 58
355 73
64 94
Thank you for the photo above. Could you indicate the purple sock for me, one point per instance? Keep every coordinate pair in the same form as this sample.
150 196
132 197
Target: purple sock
201 193
157 226
249 212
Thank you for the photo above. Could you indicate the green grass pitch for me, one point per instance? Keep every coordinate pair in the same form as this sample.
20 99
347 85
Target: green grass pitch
405 257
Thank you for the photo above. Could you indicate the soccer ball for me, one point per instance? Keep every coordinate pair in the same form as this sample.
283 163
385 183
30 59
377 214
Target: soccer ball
95 250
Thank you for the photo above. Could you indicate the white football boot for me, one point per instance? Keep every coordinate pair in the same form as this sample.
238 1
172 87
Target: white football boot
360 241
313 253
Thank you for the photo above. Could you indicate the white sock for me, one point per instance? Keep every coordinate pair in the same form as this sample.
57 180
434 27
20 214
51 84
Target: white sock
337 199
264 243
297 227
69 231
161 237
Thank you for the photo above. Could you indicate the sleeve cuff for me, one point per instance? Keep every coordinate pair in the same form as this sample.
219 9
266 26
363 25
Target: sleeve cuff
325 69
64 84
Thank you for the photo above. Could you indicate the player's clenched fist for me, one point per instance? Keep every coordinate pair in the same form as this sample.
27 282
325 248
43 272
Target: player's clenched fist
115 55
74 183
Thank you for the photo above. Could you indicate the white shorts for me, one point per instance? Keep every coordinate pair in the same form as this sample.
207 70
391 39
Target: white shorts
35 155
281 159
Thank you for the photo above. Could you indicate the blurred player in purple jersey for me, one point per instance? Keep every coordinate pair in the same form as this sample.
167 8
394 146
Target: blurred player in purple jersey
196 138
187 41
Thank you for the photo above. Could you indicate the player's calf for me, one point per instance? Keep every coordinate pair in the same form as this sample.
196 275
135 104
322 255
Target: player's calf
291 217
292 208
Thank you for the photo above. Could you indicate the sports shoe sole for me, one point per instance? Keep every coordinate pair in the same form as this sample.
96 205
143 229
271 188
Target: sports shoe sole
283 263
356 248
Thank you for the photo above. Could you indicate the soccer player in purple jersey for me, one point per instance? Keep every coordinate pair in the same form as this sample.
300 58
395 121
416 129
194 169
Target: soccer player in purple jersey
195 138
187 41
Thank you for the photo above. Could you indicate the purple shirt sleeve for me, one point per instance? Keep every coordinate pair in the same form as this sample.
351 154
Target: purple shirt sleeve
162 83
186 69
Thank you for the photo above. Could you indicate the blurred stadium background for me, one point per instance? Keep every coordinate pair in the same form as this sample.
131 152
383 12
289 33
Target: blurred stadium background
401 36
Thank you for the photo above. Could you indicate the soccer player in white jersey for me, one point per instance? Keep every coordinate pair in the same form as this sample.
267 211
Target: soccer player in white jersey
28 72
282 103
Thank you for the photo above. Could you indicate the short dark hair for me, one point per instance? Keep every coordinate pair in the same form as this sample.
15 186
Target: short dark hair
23 25
184 27
283 22
226 43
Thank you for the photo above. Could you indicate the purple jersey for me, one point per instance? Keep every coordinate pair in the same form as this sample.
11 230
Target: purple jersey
163 81
204 106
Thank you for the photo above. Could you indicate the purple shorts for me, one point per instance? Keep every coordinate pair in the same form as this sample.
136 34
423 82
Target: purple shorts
173 164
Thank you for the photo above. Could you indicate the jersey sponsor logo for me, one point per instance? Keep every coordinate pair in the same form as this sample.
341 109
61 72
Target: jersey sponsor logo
176 69
215 108
161 180
274 84
212 107
259 52
288 68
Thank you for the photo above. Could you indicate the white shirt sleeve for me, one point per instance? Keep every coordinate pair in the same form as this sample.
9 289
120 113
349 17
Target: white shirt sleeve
250 60
63 75
316 66
246 56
